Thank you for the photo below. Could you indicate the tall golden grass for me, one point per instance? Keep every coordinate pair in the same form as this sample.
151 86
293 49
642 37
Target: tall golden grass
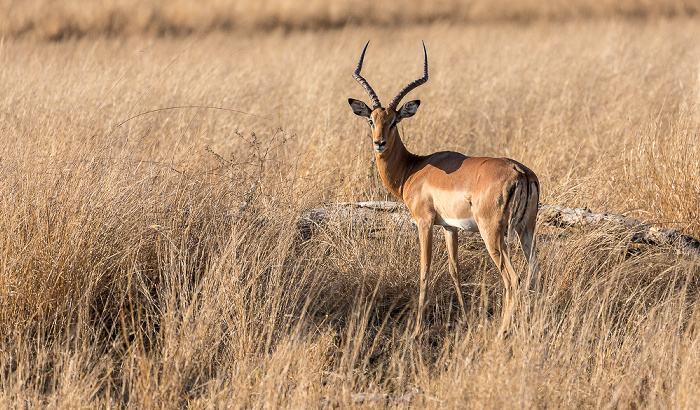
150 255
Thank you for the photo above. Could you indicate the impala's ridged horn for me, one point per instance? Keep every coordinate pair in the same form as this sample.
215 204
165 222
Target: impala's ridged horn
407 89
356 75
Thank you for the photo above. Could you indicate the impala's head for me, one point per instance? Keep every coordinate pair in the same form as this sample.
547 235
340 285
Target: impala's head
383 121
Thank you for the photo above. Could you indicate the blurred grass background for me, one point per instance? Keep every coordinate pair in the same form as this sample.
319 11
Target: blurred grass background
55 20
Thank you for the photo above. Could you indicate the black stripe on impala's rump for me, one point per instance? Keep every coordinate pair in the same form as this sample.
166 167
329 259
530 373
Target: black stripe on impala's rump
527 199
533 188
509 198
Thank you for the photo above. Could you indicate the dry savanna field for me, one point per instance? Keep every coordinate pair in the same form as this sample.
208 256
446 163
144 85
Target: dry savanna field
155 160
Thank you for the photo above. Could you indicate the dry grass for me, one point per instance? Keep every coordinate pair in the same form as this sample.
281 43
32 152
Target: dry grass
130 275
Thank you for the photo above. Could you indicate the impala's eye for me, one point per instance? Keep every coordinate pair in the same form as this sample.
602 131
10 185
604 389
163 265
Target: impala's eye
371 123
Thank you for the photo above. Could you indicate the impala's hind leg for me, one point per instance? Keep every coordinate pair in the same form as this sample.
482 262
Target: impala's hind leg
496 245
451 239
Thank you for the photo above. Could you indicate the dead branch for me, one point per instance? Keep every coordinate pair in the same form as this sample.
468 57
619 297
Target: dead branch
563 217
375 398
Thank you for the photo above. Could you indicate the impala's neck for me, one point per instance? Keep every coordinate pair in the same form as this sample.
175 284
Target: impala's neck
395 165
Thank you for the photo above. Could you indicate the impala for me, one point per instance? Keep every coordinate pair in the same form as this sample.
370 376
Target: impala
478 194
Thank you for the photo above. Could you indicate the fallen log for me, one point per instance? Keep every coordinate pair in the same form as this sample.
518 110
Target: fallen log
375 399
562 217
379 217
373 218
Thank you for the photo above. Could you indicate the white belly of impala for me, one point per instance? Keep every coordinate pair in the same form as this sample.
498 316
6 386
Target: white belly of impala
468 224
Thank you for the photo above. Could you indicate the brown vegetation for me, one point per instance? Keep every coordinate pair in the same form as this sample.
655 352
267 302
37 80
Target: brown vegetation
130 274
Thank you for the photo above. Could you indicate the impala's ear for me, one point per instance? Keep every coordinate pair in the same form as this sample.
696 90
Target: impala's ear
359 108
409 109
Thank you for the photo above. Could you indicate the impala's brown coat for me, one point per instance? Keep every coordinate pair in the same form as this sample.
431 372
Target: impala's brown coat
448 188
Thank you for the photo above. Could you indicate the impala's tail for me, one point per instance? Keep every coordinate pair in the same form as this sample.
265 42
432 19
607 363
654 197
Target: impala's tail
523 216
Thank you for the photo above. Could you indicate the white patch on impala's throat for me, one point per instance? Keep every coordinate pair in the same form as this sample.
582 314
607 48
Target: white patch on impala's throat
468 224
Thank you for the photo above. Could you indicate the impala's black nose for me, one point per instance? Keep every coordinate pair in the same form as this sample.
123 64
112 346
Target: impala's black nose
380 146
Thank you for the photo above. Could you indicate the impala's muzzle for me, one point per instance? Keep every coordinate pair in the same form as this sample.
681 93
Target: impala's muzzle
379 146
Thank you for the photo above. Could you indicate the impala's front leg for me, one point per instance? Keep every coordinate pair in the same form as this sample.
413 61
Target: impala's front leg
451 240
425 237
